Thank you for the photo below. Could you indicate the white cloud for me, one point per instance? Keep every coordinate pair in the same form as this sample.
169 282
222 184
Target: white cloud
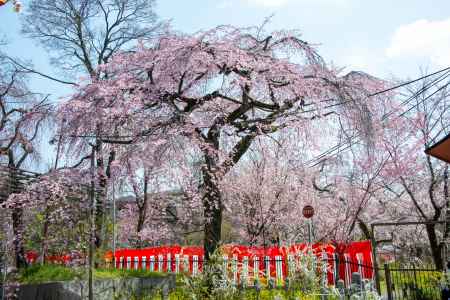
423 39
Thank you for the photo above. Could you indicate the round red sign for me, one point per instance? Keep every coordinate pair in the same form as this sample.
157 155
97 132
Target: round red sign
308 211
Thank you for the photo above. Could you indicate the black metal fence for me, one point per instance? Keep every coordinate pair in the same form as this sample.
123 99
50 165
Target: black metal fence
412 282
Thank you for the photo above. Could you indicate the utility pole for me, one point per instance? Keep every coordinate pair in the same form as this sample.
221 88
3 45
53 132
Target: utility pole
92 227
446 250
114 224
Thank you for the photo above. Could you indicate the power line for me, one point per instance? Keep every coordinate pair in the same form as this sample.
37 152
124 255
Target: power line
316 160
303 112
392 88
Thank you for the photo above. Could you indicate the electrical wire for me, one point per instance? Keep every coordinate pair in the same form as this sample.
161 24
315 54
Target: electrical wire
316 160
447 69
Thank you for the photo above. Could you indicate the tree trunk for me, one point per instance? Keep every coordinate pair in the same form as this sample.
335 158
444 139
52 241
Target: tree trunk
213 215
365 229
19 250
142 209
100 200
45 235
140 225
434 245
16 215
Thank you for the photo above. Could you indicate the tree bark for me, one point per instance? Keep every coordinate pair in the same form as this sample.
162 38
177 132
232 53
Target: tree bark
101 196
434 245
212 204
19 250
364 229
16 215
44 246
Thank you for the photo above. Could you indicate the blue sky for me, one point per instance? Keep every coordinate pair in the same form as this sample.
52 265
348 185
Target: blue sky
387 38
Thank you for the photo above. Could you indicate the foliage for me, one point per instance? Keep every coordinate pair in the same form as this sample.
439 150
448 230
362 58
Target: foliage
422 284
123 273
213 284
251 294
304 275
51 272
48 273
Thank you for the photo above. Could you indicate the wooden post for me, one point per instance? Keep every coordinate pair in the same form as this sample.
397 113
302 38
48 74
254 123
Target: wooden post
374 259
177 263
244 275
144 263
136 262
278 269
267 260
256 268
194 265
387 273
234 269
169 263
225 266
152 263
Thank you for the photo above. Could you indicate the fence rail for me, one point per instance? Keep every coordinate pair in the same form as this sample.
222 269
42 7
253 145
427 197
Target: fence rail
13 180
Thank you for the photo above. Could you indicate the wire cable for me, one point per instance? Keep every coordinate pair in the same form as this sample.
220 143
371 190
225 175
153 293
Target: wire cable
316 160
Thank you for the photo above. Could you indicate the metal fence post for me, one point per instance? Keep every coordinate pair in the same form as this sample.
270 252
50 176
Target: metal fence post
387 274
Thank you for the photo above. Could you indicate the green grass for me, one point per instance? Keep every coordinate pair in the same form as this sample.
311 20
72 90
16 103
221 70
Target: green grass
52 273
48 273
249 294
121 273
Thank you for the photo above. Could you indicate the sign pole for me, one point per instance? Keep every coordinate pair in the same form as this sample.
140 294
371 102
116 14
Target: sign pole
309 231
308 213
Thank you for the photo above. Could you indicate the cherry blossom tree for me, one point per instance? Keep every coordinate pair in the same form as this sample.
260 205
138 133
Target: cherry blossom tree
270 188
399 182
56 209
23 115
164 191
221 89
411 175
80 35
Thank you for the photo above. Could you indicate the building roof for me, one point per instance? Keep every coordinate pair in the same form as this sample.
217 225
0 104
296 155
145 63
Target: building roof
441 149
